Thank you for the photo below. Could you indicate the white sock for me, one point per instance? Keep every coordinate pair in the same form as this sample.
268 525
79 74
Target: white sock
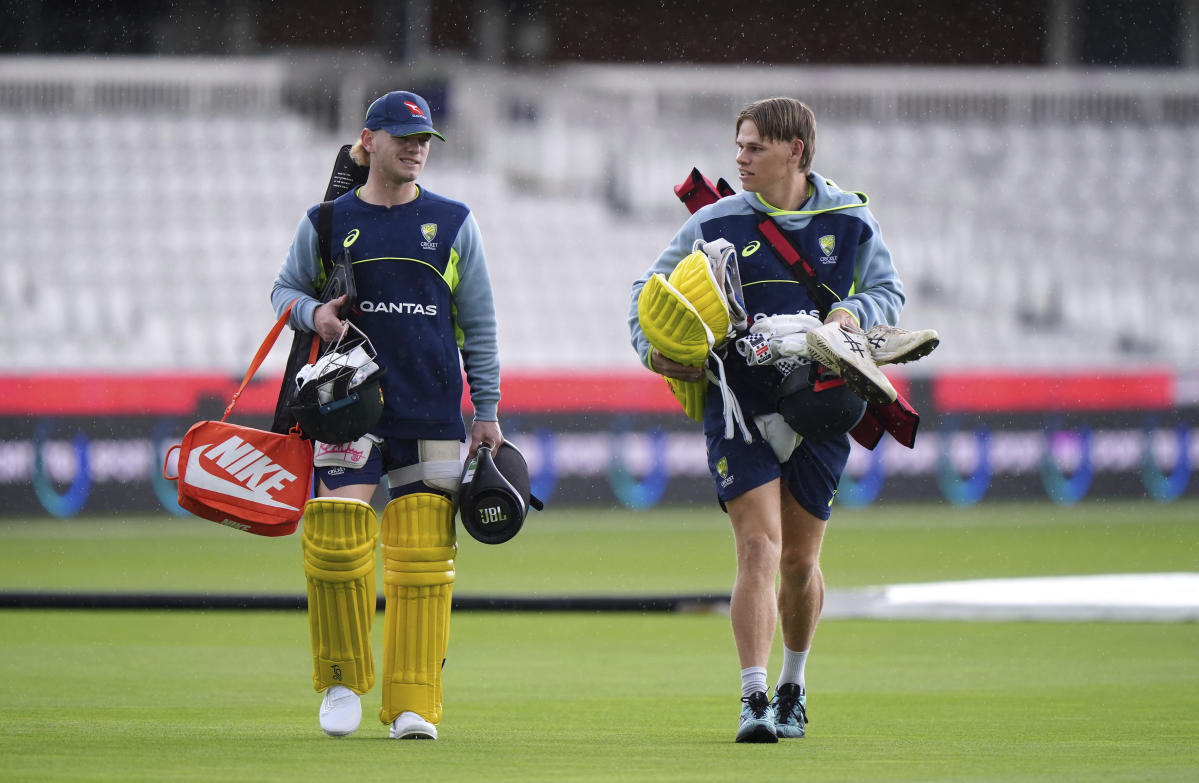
793 665
753 680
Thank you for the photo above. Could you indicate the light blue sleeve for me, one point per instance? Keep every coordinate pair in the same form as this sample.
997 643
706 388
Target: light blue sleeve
878 292
475 321
678 249
296 278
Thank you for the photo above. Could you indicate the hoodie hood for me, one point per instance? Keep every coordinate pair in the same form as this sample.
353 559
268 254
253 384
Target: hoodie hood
826 197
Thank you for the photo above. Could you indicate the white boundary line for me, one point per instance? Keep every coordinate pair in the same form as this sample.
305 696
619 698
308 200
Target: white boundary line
1166 597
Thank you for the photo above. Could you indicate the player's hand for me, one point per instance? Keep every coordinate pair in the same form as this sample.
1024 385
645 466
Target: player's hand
672 369
485 432
326 321
845 319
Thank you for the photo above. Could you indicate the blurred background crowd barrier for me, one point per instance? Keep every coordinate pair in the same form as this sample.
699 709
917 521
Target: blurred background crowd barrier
1042 218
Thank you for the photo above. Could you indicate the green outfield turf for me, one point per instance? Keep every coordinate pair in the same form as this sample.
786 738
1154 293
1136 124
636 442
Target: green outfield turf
150 696
226 695
663 551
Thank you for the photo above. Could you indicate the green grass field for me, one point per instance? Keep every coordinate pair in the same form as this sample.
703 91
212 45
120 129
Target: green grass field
121 695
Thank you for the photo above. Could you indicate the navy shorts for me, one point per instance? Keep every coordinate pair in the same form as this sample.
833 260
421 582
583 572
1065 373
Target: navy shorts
811 474
391 454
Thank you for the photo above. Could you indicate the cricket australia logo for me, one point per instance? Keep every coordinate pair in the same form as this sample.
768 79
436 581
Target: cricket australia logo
429 232
722 470
828 243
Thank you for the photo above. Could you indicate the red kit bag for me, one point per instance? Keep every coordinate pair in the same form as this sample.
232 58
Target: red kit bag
241 477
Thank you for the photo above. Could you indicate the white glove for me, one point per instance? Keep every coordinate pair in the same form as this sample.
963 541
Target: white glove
777 337
787 323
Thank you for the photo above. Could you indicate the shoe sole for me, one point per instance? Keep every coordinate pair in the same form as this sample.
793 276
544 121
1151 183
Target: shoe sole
414 733
919 352
759 732
854 378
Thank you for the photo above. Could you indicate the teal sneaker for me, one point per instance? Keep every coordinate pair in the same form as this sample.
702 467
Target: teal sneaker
790 710
757 722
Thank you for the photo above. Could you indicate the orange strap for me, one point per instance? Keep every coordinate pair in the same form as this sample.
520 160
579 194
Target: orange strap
263 350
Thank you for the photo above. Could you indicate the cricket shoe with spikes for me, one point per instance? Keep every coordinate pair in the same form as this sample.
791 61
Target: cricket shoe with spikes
892 345
409 725
847 353
757 720
341 711
790 710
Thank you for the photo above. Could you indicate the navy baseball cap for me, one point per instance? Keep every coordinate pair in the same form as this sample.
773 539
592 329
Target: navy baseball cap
401 114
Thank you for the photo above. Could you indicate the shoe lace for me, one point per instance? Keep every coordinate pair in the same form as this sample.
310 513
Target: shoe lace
880 334
757 704
788 704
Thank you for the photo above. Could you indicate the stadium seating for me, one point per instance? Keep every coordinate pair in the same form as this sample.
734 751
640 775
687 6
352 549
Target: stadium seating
149 241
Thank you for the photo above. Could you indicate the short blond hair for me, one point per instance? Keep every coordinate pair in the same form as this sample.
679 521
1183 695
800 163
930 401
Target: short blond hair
359 154
784 119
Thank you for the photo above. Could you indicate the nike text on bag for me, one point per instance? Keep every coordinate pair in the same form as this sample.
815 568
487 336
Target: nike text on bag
245 478
241 477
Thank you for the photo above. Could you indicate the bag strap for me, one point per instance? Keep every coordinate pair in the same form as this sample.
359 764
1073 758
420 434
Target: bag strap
821 294
324 230
263 350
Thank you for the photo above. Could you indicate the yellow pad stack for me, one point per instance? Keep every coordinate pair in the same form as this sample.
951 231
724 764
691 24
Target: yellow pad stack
691 395
672 324
684 317
693 279
339 543
418 579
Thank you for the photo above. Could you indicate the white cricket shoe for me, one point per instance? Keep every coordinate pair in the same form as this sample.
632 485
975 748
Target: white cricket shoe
847 353
412 726
892 345
341 711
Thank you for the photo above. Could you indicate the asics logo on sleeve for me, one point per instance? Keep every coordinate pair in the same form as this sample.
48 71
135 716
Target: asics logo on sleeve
248 474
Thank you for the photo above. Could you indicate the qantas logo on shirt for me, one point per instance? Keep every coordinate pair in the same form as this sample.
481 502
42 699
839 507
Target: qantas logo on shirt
237 469
400 308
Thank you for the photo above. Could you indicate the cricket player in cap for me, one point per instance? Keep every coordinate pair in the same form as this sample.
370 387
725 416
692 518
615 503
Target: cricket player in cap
776 482
424 299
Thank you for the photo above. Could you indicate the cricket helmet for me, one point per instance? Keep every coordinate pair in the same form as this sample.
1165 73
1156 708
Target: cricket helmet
494 494
817 405
339 397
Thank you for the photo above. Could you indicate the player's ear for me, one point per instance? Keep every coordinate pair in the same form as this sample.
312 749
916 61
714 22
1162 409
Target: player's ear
368 140
797 150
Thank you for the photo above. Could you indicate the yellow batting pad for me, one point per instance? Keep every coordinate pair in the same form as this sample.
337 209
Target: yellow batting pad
339 543
418 580
672 324
691 395
693 279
